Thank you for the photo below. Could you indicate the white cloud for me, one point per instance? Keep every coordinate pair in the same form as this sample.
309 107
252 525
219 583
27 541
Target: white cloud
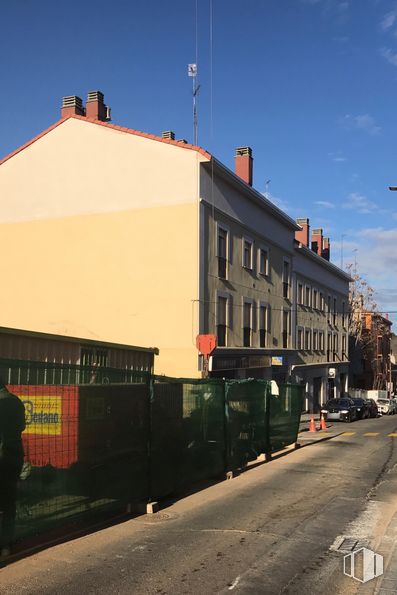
363 122
341 39
325 204
388 20
389 55
337 157
377 260
360 203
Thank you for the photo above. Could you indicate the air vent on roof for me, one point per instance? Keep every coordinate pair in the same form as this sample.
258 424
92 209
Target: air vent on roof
72 101
95 96
240 151
168 135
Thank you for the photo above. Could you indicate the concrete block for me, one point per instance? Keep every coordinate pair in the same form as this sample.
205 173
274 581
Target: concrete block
143 507
152 507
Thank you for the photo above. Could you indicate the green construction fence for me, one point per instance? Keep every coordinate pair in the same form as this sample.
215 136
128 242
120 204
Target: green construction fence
100 441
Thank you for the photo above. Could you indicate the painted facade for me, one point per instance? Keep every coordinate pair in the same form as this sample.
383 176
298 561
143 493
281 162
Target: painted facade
126 237
321 293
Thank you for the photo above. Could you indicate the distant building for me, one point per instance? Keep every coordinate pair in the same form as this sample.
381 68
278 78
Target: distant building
370 353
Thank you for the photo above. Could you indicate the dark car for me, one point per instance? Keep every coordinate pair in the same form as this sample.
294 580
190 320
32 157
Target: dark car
372 408
342 409
361 407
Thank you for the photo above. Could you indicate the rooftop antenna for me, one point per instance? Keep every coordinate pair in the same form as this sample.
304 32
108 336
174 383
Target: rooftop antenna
192 72
267 188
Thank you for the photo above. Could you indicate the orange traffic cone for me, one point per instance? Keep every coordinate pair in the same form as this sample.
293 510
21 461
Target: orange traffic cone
312 427
323 425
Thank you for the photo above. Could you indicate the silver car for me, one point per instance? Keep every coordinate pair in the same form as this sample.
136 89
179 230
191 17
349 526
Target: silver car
386 406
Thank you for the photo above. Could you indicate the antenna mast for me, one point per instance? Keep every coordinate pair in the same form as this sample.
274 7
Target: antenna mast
192 72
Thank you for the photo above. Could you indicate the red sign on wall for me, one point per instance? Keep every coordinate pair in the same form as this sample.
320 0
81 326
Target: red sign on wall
206 344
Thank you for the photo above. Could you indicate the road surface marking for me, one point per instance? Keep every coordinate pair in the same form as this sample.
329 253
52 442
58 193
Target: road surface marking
393 434
371 434
234 584
348 433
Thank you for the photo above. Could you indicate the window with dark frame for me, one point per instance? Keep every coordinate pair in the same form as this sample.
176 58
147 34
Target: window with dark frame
329 347
222 253
344 354
247 254
307 340
307 296
321 341
300 339
263 326
264 261
247 324
335 347
300 294
222 321
286 328
321 301
314 300
286 279
315 340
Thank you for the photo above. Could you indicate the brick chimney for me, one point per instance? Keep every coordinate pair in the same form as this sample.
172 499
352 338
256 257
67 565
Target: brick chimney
317 241
95 107
72 106
326 251
303 235
243 164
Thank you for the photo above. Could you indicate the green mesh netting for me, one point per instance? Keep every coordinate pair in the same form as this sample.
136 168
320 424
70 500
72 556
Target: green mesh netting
247 420
94 447
187 433
285 412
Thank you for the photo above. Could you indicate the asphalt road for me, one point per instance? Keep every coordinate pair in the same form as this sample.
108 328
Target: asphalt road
267 531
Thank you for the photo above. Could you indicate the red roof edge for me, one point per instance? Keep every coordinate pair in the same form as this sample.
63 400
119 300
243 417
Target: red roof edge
33 140
114 127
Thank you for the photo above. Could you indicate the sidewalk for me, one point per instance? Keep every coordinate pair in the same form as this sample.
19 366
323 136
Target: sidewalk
305 437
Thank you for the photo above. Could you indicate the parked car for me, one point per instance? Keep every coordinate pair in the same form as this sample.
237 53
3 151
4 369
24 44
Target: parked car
361 408
372 408
386 407
340 409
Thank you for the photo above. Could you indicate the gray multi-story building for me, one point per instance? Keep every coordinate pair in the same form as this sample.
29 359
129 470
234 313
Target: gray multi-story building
320 322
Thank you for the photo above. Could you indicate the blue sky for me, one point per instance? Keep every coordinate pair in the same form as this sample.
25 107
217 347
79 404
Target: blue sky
310 85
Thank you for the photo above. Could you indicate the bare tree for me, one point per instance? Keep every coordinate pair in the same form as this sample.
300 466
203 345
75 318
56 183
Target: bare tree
361 301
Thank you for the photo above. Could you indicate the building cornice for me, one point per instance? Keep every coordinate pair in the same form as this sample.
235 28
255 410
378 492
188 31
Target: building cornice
251 193
305 251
